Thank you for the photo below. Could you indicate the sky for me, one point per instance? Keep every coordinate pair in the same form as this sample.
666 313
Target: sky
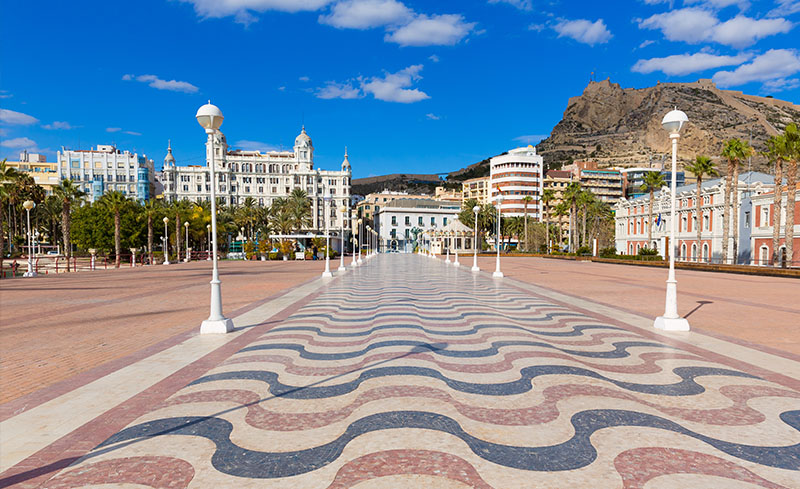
407 86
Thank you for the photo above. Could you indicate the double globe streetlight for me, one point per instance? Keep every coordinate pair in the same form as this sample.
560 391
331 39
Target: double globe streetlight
497 273
475 268
327 273
29 205
166 241
673 122
210 118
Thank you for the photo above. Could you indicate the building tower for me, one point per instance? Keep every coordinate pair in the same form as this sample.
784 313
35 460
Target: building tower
304 150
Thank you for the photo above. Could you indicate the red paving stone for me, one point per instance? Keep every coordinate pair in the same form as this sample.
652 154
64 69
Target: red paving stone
56 327
756 309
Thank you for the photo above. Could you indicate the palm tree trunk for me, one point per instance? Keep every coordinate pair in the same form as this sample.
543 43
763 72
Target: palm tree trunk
583 230
117 241
735 197
2 240
726 213
546 232
526 226
65 224
150 238
699 221
791 182
776 212
573 217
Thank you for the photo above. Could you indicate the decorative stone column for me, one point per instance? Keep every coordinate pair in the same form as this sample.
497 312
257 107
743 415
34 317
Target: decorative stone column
92 252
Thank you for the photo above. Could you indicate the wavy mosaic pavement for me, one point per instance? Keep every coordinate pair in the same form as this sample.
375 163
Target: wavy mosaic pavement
408 372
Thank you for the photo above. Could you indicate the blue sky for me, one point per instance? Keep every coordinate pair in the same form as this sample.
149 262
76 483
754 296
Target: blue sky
407 86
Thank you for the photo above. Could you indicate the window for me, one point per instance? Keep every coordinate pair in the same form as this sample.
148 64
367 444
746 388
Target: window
433 221
747 219
408 233
394 221
419 221
444 221
408 220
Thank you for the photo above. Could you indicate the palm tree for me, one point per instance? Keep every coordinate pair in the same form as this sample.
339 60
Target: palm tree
585 199
701 167
776 152
151 210
115 202
69 194
792 135
652 180
299 208
526 200
734 151
7 176
571 196
547 196
561 209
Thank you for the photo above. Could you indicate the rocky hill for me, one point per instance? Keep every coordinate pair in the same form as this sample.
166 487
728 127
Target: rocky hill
622 127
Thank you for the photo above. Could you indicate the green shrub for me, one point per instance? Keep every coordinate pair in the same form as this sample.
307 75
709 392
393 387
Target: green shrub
647 252
610 252
584 250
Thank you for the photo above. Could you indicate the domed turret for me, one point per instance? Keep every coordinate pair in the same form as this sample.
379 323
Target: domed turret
169 160
346 162
304 148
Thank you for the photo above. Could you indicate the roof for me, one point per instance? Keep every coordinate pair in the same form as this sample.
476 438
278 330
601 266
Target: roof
559 174
456 226
746 178
421 204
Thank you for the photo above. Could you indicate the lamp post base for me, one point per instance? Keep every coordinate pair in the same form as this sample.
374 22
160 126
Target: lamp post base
166 262
497 275
327 274
342 268
216 326
475 269
671 324
456 264
29 274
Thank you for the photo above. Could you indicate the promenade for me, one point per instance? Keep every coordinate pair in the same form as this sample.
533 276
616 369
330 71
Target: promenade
405 372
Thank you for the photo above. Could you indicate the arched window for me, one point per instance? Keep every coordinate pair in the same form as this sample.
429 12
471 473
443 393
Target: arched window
764 258
694 252
705 252
683 251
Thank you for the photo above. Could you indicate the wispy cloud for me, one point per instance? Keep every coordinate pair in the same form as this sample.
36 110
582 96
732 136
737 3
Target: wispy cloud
531 138
584 31
435 30
432 116
366 14
520 4
249 145
5 94
345 91
683 64
772 68
391 87
433 58
157 83
19 143
59 125
113 129
16 118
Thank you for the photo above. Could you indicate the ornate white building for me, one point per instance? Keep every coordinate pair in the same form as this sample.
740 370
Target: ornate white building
264 177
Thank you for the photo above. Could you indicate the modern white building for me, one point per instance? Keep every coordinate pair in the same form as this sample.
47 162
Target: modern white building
632 220
105 169
401 222
517 174
264 177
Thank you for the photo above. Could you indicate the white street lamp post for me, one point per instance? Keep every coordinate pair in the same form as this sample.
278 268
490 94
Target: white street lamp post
475 268
447 235
327 273
166 241
354 238
455 263
342 268
210 118
28 205
673 122
360 239
208 228
497 273
186 225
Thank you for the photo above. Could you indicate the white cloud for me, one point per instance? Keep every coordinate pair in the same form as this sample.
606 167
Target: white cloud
785 7
432 116
720 4
742 31
394 87
531 138
781 84
304 78
157 83
19 143
17 118
435 30
5 94
132 133
345 91
248 145
58 125
242 10
520 4
645 43
282 89
694 25
584 31
366 14
683 64
113 129
772 67
127 77
690 25
433 58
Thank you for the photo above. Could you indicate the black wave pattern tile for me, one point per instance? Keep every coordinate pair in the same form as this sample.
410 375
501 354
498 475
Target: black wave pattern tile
576 330
572 454
686 387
